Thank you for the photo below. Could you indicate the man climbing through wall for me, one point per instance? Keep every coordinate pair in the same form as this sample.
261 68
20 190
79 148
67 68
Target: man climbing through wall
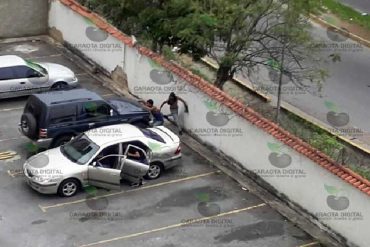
172 101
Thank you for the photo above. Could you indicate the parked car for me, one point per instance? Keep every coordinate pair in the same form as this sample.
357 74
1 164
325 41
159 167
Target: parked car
20 77
102 157
52 119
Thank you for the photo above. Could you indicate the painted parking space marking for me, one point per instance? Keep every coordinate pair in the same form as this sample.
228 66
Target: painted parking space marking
12 139
45 208
108 94
310 244
7 155
133 235
14 174
11 109
48 56
81 74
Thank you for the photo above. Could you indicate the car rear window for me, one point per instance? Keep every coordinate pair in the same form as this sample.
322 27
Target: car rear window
62 114
125 106
152 135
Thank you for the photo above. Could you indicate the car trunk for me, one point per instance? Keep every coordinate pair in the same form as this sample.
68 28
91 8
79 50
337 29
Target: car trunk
167 135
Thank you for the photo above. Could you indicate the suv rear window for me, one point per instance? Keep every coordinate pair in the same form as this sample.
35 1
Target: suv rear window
62 114
152 135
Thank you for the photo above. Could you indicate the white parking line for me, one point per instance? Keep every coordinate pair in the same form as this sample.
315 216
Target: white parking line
11 109
15 174
109 94
14 138
54 55
310 244
100 243
81 74
45 208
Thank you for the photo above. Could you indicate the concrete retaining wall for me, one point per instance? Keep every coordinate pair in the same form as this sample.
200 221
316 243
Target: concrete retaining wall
334 202
21 18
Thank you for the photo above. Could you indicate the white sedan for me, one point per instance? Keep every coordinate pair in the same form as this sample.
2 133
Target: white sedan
24 77
102 157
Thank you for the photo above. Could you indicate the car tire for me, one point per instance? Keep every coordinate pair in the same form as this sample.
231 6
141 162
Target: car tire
59 86
155 171
58 141
29 125
68 187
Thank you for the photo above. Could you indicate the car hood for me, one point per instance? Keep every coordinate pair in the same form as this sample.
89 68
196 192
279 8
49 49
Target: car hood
57 71
50 161
168 136
126 106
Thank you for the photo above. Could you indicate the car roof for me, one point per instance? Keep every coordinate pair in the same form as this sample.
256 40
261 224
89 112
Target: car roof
114 133
11 60
67 96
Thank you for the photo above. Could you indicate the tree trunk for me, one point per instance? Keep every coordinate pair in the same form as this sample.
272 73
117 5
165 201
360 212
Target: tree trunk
223 75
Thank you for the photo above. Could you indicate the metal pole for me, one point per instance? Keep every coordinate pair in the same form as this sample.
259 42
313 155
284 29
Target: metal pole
281 73
280 83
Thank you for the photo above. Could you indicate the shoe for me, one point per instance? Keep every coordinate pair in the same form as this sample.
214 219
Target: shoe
135 184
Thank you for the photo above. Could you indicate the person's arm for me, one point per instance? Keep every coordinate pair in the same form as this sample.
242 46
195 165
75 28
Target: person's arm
148 108
164 102
185 104
136 154
142 102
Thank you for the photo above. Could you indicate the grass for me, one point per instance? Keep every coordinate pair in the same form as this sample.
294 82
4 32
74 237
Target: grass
362 171
320 139
347 13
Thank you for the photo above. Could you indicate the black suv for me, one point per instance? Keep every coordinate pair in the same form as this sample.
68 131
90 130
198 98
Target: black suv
52 119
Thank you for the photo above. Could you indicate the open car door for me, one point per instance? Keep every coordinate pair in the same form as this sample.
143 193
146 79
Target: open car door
135 163
108 178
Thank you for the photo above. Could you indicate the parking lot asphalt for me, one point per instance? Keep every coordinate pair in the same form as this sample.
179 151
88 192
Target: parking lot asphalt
191 205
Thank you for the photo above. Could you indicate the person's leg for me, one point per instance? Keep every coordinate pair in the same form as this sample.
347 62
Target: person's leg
175 115
157 123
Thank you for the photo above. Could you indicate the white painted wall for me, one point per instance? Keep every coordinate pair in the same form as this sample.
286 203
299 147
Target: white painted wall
108 53
250 147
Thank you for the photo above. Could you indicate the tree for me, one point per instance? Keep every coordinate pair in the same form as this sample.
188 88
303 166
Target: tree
240 35
243 34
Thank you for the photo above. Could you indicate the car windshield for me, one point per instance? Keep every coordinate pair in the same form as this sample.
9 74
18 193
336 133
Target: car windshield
37 67
80 149
152 135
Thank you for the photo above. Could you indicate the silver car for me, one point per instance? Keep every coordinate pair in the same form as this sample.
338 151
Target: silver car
20 77
103 157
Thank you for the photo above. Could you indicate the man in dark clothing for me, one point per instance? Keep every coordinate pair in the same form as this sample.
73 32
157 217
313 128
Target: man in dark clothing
156 113
172 101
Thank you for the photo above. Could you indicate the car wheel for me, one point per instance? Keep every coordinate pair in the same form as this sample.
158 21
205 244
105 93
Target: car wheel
68 187
59 86
29 125
154 171
61 140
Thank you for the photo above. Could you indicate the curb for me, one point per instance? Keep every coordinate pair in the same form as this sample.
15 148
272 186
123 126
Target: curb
289 108
350 35
212 64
